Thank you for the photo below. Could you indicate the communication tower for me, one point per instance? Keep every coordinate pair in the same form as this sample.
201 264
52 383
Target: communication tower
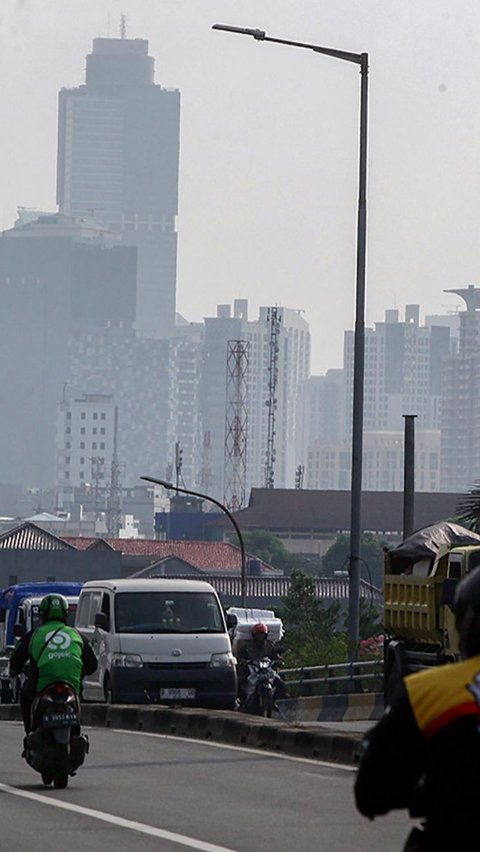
236 421
206 475
274 320
299 474
114 497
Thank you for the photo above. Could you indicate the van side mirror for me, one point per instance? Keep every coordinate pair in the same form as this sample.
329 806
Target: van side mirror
19 631
102 621
232 621
449 588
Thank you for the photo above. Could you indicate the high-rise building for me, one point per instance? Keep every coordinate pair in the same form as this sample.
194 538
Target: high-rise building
329 466
118 154
292 360
59 277
85 437
403 372
460 452
320 413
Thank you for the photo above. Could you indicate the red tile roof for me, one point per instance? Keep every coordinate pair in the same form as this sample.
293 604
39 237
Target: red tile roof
206 555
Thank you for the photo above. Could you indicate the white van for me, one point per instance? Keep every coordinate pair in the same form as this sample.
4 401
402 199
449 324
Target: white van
162 641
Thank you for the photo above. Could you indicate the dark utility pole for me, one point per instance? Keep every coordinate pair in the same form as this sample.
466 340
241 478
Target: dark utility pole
409 476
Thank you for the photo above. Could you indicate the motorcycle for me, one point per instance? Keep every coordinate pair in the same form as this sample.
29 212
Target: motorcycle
261 687
56 747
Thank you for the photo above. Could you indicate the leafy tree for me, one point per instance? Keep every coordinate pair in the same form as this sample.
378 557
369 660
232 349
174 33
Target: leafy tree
370 620
371 552
269 547
310 637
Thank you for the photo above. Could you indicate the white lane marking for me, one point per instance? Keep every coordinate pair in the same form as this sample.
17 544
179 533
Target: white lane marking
120 822
256 751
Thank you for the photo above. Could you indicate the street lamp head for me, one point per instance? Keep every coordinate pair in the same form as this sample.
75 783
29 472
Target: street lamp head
167 485
258 35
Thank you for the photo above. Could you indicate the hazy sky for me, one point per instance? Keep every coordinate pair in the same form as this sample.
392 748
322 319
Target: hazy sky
269 146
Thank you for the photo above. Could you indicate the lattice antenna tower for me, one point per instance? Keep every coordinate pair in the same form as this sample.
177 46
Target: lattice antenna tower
98 477
114 498
274 320
236 423
206 474
299 474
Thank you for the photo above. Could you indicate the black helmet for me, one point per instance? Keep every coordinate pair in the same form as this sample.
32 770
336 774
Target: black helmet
53 608
467 614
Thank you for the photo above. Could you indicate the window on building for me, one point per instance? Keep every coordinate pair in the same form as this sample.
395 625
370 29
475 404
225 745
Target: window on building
69 415
102 416
95 415
67 445
102 446
68 431
82 430
67 459
94 430
94 445
82 445
102 431
83 415
82 475
82 459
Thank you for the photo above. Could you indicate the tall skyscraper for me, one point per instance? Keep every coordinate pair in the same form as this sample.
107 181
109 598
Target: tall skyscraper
59 278
403 371
118 153
460 456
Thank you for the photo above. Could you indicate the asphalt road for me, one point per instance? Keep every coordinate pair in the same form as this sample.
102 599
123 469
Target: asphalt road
136 791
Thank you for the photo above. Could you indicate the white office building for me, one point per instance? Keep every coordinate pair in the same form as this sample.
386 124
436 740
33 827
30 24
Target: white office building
85 444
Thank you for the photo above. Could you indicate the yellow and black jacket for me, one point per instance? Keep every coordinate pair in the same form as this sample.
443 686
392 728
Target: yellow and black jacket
424 755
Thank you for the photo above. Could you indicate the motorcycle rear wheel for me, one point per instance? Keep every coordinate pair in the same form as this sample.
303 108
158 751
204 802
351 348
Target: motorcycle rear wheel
60 781
267 705
47 778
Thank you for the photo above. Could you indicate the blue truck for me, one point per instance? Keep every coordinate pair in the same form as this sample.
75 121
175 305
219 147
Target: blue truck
19 606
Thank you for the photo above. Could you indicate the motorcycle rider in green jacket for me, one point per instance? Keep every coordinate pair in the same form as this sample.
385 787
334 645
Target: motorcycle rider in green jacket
53 652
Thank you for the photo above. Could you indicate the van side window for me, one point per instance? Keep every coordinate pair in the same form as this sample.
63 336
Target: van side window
83 607
96 602
89 605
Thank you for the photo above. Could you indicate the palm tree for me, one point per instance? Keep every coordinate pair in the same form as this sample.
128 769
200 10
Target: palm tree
468 509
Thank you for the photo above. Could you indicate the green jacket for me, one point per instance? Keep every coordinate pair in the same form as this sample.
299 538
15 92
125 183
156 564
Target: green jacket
61 658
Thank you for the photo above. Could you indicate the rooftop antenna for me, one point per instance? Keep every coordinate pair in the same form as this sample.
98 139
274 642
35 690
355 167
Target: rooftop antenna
123 26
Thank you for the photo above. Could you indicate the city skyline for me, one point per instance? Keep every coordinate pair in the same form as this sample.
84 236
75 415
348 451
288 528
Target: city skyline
277 133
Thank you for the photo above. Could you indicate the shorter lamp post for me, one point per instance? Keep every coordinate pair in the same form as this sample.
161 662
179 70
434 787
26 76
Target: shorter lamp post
169 486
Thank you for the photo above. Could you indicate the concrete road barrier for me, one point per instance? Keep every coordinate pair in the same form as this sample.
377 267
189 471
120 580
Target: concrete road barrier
333 708
219 726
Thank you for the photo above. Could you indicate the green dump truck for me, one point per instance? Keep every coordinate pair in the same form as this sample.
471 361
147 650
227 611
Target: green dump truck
421 575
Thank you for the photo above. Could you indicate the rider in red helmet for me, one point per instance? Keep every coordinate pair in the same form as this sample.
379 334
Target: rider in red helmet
258 647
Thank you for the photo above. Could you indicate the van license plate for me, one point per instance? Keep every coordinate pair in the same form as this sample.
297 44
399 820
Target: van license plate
177 693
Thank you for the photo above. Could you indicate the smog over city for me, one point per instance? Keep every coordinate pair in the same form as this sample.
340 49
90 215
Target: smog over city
181 246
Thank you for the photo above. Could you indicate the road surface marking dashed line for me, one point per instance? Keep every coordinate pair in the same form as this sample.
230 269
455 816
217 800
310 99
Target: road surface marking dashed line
117 821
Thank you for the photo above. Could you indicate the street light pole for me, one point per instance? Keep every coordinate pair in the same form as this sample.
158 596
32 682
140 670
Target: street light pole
360 59
169 486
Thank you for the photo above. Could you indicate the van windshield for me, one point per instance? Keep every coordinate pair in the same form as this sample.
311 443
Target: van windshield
167 612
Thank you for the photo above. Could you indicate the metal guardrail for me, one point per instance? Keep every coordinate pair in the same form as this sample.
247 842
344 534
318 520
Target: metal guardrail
364 676
331 588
